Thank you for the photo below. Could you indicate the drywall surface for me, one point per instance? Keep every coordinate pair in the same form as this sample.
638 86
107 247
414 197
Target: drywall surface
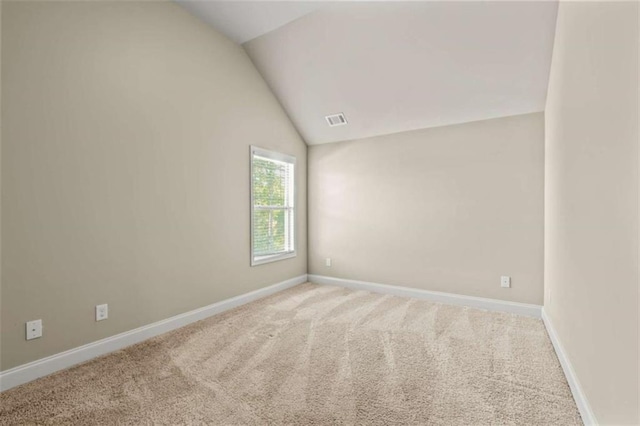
445 209
126 130
0 175
591 202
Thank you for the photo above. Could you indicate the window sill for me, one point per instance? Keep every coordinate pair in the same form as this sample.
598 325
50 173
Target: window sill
261 260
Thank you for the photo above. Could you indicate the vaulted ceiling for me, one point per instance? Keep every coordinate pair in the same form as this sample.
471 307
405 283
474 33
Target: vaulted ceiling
242 21
394 66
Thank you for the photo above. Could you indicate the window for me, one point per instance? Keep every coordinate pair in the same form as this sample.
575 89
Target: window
272 206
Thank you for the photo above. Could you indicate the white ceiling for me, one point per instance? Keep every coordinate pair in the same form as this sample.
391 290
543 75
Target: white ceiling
242 21
396 66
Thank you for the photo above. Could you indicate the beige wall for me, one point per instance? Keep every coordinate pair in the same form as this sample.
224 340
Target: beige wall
591 202
126 130
447 209
0 178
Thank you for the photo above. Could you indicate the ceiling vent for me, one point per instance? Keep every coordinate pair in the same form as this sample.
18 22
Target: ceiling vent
336 120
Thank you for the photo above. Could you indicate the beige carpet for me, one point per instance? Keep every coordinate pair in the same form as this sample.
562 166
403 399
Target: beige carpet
317 355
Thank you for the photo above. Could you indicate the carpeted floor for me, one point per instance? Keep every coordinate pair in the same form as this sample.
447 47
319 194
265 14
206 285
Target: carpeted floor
317 355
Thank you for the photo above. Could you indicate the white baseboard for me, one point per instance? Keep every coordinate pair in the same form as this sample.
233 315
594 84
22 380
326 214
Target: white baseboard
435 296
588 418
45 366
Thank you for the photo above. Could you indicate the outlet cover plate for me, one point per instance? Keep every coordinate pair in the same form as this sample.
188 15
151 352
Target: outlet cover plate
102 312
34 329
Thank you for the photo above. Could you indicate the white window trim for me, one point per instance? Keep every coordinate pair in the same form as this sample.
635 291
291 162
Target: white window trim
261 260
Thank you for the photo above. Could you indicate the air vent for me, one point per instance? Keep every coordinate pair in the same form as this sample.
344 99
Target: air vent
336 120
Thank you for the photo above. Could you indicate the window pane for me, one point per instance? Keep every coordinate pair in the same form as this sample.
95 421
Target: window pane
270 180
269 232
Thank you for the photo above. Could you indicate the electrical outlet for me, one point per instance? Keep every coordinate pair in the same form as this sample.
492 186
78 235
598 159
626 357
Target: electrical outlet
102 312
328 261
34 329
505 281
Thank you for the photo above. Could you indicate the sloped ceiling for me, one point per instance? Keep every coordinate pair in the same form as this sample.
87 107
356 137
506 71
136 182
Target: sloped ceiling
397 66
242 21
